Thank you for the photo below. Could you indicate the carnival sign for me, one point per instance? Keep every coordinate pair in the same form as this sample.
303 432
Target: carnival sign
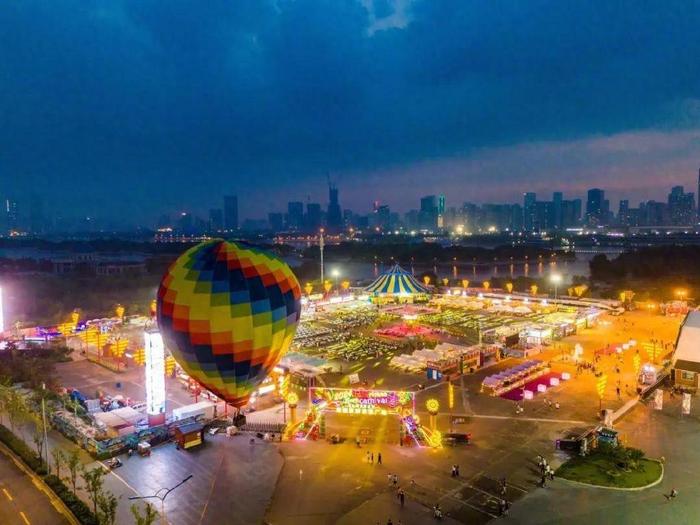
363 401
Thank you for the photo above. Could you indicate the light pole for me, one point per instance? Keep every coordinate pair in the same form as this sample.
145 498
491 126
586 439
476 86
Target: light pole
43 418
161 496
320 247
335 273
556 280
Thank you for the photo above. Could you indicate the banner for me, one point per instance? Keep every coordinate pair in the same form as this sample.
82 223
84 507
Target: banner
659 399
685 405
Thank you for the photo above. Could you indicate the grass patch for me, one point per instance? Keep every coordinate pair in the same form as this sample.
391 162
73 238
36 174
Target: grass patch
599 469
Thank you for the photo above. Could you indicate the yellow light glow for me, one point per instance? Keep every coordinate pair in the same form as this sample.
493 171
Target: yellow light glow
432 405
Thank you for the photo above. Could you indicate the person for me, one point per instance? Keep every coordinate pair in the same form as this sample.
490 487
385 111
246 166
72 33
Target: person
556 405
357 441
389 522
371 458
395 480
543 481
437 512
454 471
367 456
501 507
617 389
402 496
457 471
671 495
379 458
550 473
506 507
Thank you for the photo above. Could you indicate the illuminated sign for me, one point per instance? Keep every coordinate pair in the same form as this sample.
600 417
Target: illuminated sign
155 373
363 401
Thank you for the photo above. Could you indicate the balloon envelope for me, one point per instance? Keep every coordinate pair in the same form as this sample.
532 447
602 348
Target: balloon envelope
228 312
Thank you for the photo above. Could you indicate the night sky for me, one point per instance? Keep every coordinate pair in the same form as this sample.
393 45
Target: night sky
135 108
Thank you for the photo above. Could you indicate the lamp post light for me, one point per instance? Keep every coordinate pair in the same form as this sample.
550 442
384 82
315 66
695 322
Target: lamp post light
336 273
161 494
556 280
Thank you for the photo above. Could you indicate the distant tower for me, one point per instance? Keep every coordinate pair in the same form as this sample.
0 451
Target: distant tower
334 217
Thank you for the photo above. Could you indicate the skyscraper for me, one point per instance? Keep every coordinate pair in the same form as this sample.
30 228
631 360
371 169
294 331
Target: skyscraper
529 200
334 217
231 212
681 207
623 213
11 214
595 204
216 220
557 199
295 215
428 215
313 216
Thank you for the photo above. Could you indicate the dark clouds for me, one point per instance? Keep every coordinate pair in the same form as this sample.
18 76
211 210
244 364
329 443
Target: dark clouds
106 104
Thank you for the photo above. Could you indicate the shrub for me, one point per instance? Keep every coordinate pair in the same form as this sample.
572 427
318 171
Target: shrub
19 447
77 506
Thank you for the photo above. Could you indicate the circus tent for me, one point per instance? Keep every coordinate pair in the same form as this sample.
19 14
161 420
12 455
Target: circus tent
396 281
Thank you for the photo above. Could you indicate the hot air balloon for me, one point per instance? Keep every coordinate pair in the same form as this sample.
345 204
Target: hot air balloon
228 312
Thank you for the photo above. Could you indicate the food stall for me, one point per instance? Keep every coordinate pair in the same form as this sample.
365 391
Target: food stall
189 435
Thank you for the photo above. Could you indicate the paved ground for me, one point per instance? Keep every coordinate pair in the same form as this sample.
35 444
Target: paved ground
22 503
232 480
665 433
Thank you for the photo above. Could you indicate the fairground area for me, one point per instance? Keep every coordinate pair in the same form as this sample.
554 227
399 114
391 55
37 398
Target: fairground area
383 410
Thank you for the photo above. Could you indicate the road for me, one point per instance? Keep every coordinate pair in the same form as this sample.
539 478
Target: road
21 502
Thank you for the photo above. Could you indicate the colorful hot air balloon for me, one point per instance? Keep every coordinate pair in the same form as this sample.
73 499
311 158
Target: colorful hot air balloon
228 312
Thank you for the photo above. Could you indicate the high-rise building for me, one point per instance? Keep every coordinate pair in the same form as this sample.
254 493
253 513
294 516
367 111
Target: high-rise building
623 213
681 207
334 216
216 220
276 221
11 214
184 222
557 200
314 217
529 200
230 212
570 213
595 207
295 215
429 212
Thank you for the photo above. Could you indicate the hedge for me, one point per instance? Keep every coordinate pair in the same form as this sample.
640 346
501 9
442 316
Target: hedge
77 506
19 447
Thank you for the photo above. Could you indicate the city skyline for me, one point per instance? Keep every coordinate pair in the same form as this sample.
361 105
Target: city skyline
137 123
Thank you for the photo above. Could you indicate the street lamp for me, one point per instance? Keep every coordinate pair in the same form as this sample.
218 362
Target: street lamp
335 273
161 496
556 280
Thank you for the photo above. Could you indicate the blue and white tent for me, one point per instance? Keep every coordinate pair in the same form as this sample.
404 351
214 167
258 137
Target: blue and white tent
396 281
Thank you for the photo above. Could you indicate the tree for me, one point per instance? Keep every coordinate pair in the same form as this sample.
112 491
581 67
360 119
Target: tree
16 409
4 396
73 465
59 459
147 518
107 504
94 480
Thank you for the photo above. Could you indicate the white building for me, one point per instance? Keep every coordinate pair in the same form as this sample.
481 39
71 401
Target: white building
686 359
